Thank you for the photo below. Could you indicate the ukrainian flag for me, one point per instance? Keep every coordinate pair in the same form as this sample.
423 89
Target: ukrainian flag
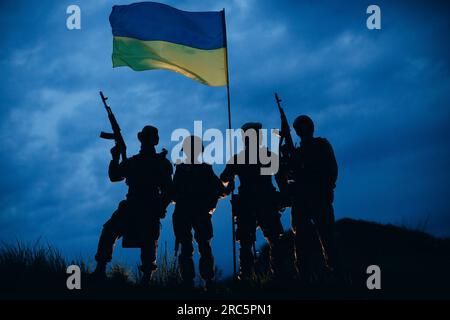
150 35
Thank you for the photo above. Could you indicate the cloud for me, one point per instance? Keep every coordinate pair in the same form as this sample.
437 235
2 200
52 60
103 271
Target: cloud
380 98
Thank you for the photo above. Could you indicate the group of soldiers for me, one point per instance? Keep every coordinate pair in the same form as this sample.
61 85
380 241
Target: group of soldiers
306 181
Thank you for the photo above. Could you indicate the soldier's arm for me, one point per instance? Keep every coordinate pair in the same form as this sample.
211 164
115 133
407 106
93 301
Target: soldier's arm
229 172
166 186
218 185
116 170
331 164
176 183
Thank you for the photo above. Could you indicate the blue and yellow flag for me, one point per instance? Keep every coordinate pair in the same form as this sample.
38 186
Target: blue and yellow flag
150 35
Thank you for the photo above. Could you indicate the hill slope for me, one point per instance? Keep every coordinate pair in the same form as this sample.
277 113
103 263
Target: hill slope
413 265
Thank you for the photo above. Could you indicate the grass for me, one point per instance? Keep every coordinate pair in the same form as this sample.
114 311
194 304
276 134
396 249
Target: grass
414 265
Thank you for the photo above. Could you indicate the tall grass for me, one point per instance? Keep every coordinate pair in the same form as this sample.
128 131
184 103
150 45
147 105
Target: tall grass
31 269
39 257
414 264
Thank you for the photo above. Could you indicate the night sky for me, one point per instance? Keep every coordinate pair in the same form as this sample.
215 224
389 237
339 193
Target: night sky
380 96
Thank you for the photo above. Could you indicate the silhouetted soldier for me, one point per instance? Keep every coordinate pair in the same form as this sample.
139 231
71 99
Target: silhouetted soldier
149 178
196 192
257 204
314 171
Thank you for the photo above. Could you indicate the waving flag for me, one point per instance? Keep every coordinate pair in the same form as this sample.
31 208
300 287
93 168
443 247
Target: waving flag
150 35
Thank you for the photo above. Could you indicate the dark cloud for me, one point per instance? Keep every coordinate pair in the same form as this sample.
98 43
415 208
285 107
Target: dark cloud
381 97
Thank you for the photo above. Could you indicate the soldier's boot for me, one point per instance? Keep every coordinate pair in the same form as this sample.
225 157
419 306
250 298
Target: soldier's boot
305 271
246 261
186 264
275 259
99 273
147 273
146 278
328 250
206 264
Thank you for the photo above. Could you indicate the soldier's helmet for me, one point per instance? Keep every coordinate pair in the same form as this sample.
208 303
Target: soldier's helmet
148 135
304 126
192 148
252 135
251 125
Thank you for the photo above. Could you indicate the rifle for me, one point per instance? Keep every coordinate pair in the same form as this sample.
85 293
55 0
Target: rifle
115 135
285 131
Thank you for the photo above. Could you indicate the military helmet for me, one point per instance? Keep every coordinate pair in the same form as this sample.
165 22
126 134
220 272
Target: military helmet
251 125
305 123
148 133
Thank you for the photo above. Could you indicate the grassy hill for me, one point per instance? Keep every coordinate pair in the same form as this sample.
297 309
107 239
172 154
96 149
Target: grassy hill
413 265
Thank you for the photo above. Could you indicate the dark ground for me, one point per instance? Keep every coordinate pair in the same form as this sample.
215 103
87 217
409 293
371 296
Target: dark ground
413 265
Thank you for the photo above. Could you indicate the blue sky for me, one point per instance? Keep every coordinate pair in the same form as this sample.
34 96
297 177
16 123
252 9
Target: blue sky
381 97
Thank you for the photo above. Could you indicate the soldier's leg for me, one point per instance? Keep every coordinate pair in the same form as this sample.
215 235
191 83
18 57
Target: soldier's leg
186 262
112 230
203 235
182 229
246 236
324 221
149 250
246 258
270 224
148 256
304 240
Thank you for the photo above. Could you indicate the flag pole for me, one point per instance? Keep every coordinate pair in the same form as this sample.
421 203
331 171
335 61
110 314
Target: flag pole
229 133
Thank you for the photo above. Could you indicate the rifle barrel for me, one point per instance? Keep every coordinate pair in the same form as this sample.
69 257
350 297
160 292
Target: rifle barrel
278 100
104 99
